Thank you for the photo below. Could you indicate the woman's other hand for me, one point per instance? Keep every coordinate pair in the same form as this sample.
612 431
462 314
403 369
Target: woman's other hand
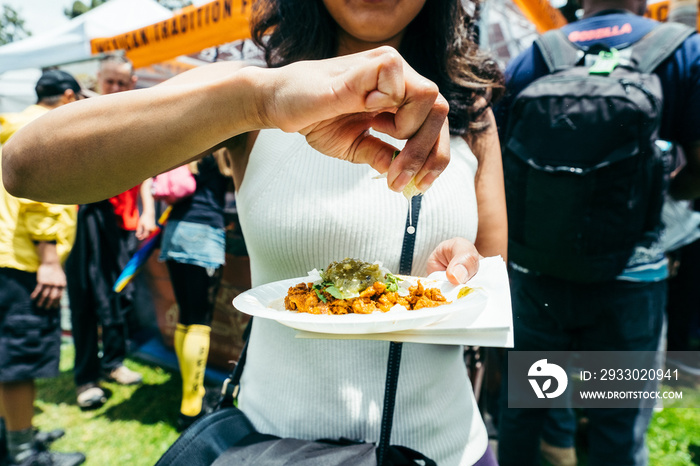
458 257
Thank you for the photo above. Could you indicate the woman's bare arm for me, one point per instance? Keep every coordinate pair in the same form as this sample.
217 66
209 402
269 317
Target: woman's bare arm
492 235
92 149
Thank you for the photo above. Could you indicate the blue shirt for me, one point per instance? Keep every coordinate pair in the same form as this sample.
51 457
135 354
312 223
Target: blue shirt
680 81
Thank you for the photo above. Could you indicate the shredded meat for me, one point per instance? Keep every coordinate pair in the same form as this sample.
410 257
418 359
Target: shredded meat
304 298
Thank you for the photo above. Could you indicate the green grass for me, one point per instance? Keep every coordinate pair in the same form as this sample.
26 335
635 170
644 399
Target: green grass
674 433
136 425
673 438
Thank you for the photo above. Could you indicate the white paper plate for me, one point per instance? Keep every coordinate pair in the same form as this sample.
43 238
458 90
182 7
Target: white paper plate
267 301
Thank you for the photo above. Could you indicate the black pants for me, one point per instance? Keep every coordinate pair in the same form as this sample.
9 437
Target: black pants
195 292
684 299
554 315
100 252
30 337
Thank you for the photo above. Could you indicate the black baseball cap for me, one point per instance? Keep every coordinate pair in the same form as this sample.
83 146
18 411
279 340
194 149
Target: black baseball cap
56 82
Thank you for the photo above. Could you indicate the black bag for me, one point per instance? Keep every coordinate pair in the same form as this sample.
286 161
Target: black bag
585 180
227 437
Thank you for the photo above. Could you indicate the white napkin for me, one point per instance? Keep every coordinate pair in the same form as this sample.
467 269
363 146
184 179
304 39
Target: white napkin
491 327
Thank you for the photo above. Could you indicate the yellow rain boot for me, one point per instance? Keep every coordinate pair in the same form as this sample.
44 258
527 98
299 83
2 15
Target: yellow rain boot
178 340
193 362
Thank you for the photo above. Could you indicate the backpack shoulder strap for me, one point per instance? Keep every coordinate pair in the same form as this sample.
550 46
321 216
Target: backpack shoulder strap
558 52
658 45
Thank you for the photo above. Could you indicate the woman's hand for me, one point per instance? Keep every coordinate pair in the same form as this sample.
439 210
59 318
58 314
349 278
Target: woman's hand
458 257
335 102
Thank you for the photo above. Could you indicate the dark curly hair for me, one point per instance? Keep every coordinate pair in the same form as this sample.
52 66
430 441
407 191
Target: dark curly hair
439 44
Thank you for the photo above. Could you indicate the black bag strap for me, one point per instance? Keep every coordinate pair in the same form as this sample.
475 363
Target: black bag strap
658 45
646 54
229 390
409 237
558 52
393 365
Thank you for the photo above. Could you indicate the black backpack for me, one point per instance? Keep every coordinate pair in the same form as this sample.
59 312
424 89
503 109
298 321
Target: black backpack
585 181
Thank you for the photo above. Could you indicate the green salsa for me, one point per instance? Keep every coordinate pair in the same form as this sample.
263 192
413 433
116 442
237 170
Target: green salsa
348 278
352 276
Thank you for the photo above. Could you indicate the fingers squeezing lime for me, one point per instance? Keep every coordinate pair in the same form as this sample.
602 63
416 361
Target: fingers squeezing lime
411 190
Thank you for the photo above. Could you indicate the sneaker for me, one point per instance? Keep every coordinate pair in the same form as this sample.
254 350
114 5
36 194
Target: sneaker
91 396
35 457
43 440
558 456
124 376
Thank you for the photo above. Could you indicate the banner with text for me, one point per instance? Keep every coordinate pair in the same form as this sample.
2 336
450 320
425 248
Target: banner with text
542 14
190 30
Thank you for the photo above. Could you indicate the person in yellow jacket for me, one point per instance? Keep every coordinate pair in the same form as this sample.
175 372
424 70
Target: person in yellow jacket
35 239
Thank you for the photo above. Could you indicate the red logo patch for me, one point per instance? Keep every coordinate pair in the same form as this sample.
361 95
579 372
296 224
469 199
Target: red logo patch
600 33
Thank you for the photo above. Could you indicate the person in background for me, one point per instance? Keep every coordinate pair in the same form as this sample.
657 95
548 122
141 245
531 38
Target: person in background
107 234
625 313
684 308
345 82
35 238
115 74
193 247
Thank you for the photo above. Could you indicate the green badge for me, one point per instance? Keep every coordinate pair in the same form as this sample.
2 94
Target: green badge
606 62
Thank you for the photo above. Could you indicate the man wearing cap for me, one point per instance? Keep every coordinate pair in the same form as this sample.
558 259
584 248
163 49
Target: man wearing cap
35 239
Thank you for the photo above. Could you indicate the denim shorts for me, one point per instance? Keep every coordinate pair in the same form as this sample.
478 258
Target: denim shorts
30 338
193 243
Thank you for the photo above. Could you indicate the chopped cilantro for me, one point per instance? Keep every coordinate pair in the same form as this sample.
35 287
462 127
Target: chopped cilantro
320 295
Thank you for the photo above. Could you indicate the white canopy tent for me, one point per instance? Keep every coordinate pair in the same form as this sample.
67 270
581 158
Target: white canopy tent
70 42
17 89
21 61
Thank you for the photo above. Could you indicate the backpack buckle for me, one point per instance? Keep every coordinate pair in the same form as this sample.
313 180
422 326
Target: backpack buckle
606 62
229 390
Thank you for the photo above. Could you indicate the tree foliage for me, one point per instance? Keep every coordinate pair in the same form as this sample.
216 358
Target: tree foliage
175 4
11 26
79 7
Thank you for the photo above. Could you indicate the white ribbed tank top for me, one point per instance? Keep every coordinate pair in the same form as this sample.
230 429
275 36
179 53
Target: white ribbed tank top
300 210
